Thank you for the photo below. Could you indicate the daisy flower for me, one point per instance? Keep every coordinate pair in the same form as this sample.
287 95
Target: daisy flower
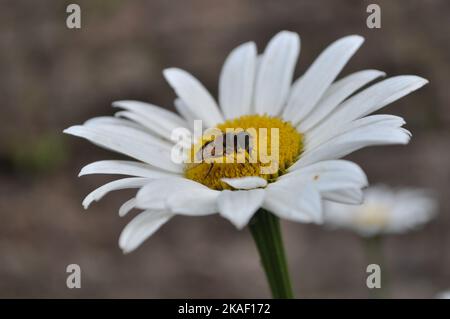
317 120
385 211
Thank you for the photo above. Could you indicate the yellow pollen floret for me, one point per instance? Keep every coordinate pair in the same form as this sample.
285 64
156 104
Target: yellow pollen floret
373 216
274 146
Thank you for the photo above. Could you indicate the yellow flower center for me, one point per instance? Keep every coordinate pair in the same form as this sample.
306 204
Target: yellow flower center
373 215
251 145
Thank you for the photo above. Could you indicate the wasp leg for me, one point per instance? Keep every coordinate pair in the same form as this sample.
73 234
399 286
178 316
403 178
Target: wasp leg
209 170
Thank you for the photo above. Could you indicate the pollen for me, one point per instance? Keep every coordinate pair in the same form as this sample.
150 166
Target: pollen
373 216
272 145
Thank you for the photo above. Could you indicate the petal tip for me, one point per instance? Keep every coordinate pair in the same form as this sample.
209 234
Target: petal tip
120 103
416 80
358 39
239 226
286 35
170 73
248 46
126 251
69 130
379 73
422 81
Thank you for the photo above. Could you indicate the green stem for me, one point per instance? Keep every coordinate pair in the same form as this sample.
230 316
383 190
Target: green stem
265 229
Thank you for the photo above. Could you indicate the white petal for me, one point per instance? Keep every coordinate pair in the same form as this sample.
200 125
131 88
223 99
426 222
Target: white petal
195 95
248 182
158 130
371 100
353 196
330 175
126 207
380 121
154 118
155 194
352 141
111 120
336 180
193 202
337 93
326 166
316 80
237 81
150 111
185 112
117 123
97 194
239 206
385 210
294 201
410 209
131 143
275 73
137 134
123 168
140 228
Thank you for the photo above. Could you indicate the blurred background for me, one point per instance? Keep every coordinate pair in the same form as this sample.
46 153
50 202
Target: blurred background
52 77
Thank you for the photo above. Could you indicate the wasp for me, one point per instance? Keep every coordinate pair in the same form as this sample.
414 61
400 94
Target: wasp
223 145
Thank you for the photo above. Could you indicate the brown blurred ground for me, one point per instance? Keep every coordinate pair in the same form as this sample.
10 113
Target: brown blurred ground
52 77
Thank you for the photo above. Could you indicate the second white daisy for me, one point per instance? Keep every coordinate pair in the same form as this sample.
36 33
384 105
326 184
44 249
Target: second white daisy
385 211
